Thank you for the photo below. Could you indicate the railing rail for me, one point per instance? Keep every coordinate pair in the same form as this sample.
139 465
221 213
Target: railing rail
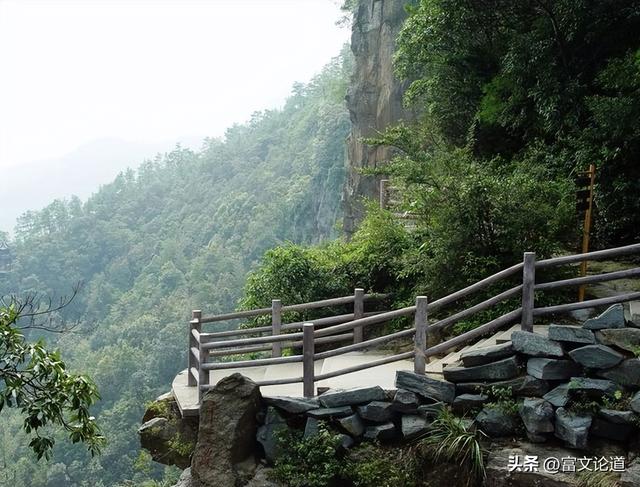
351 326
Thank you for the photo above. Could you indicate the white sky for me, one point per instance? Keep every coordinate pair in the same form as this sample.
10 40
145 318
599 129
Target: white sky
149 70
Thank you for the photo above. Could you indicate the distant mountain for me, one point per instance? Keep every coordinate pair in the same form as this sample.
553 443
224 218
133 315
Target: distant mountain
34 185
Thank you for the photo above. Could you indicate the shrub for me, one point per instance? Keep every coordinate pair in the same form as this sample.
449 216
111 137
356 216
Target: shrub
308 462
373 466
451 440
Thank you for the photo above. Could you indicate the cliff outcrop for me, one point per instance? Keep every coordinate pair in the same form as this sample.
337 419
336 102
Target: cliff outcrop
374 98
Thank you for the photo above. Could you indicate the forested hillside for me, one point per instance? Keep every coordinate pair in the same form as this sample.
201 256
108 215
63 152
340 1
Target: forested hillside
178 233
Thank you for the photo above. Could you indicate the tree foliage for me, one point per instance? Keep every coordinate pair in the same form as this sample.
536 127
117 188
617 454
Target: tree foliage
36 381
178 233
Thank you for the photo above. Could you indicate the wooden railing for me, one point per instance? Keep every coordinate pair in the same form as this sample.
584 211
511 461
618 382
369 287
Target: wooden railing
350 327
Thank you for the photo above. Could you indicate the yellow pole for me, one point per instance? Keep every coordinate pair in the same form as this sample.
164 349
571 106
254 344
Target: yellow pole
586 229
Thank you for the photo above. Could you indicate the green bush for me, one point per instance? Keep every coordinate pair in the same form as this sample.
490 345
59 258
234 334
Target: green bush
373 466
308 462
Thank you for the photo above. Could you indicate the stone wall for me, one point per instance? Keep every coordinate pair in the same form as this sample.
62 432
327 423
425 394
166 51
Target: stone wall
575 393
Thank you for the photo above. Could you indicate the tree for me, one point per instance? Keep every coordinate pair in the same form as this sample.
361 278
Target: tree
37 382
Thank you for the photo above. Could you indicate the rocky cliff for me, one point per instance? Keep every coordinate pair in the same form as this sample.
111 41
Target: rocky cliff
374 98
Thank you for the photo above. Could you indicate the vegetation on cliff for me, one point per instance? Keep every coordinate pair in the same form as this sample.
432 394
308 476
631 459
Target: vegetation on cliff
178 233
515 99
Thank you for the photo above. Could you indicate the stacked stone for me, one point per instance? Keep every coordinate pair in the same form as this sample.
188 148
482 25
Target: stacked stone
361 414
547 373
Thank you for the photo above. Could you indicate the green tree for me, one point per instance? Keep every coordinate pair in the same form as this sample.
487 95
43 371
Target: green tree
37 382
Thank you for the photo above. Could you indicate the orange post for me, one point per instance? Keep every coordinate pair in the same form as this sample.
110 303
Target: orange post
586 228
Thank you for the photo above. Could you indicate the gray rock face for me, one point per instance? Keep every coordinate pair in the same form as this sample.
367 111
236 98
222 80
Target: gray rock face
261 479
374 99
535 345
346 397
157 436
626 374
346 442
525 386
571 334
326 413
537 415
552 369
618 417
496 423
559 396
485 355
381 432
413 426
572 428
635 402
376 411
227 433
185 479
426 387
267 434
592 387
405 401
611 318
596 356
311 427
500 370
467 402
352 425
624 338
293 405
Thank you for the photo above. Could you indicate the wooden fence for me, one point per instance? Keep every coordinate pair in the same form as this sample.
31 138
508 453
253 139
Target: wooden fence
350 327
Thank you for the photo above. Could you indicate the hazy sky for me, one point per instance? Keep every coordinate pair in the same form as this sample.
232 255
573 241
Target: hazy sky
149 70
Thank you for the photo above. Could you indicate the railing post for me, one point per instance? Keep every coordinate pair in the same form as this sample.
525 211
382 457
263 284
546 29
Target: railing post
308 352
383 193
203 375
276 326
420 337
358 312
528 290
194 324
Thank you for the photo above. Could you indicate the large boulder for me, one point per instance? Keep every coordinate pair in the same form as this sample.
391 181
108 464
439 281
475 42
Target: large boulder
426 387
572 428
613 317
596 356
535 345
267 434
571 334
537 415
376 411
166 435
347 397
185 479
381 432
467 402
495 422
524 386
592 387
559 396
413 426
328 413
552 369
227 435
293 405
507 368
624 338
352 425
405 401
626 373
485 355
